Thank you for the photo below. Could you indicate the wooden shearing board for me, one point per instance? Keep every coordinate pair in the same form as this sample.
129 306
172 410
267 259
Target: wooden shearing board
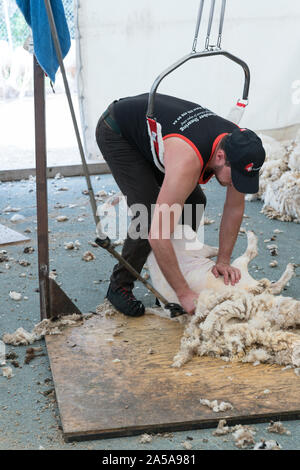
124 385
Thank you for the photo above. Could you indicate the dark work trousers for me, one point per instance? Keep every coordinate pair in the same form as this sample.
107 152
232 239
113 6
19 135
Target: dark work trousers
140 181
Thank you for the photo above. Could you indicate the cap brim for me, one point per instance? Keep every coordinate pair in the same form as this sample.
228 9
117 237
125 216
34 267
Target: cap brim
245 184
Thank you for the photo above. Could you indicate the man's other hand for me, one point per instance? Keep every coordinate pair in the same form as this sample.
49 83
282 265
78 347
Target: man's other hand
231 275
188 300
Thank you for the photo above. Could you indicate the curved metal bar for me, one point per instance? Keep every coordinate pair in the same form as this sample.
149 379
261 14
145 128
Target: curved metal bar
194 55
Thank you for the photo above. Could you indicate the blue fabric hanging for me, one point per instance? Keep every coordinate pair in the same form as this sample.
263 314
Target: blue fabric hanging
35 15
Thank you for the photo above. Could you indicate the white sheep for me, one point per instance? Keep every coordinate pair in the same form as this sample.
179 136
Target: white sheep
247 322
194 259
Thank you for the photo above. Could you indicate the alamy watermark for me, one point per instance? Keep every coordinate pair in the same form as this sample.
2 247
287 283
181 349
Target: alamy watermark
117 221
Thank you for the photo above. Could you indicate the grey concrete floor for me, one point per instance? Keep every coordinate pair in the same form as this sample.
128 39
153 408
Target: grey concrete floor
29 417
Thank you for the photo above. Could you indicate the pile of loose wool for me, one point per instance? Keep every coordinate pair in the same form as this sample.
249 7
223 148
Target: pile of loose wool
46 327
241 326
279 185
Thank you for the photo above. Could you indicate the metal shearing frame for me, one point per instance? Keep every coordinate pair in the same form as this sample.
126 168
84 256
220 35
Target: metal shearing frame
53 300
208 51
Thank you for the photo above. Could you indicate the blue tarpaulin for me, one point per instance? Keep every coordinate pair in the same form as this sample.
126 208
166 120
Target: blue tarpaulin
35 15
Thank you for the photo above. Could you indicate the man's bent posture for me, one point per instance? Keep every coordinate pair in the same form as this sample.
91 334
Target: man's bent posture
198 144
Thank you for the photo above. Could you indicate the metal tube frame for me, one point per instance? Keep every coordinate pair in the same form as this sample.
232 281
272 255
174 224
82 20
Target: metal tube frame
221 22
199 17
195 55
41 189
210 20
54 302
209 51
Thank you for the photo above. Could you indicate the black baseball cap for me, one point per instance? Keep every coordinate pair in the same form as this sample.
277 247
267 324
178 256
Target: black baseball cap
246 155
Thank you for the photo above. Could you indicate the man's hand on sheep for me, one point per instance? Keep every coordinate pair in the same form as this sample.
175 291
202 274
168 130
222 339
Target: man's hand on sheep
230 274
229 228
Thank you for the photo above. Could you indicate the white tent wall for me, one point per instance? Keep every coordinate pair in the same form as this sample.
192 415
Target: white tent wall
123 46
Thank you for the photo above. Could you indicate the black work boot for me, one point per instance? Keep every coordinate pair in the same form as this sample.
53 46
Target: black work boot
124 301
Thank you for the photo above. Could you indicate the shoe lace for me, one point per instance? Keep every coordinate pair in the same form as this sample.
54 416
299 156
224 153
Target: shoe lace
127 294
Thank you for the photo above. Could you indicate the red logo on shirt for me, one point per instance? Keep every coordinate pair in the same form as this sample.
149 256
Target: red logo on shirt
249 167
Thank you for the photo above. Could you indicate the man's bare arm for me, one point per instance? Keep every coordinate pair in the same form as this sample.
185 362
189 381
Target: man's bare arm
182 173
229 228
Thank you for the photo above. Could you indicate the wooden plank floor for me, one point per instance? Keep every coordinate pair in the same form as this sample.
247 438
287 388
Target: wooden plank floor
11 237
110 388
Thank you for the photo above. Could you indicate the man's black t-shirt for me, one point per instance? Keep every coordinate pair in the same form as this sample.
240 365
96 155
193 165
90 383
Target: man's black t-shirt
198 126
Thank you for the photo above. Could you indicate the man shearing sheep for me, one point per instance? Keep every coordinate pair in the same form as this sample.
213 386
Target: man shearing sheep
198 144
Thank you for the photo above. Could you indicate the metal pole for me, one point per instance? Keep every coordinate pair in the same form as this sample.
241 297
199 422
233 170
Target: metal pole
41 189
221 23
211 16
68 93
198 25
